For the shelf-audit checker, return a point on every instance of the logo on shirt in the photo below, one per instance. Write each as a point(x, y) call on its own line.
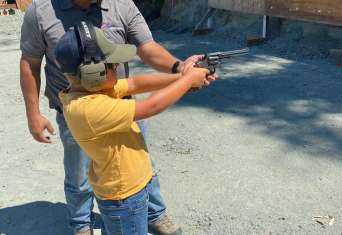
point(105, 26)
point(86, 29)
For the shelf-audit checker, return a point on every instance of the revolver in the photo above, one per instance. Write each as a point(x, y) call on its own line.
point(211, 60)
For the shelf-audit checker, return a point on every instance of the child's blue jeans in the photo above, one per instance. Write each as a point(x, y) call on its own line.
point(125, 217)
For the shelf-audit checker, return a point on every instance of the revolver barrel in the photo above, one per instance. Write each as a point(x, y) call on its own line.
point(211, 60)
point(226, 54)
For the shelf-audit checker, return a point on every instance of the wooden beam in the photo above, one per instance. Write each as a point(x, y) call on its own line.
point(320, 11)
point(327, 11)
point(23, 4)
point(8, 6)
point(248, 6)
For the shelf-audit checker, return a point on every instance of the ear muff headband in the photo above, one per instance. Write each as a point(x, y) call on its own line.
point(92, 71)
point(87, 38)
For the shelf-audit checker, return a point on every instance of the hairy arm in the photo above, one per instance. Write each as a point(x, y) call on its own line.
point(162, 60)
point(156, 56)
point(30, 83)
point(149, 50)
point(30, 87)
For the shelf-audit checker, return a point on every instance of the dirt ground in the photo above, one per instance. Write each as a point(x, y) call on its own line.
point(258, 152)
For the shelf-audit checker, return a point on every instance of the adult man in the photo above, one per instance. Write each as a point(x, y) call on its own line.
point(44, 23)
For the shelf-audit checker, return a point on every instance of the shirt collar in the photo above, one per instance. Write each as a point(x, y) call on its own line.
point(66, 4)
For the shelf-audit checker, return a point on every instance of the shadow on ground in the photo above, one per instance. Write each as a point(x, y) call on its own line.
point(299, 102)
point(7, 42)
point(36, 218)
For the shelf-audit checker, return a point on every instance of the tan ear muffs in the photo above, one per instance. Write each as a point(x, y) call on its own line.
point(93, 76)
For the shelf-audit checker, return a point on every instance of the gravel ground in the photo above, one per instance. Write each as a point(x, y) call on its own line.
point(258, 152)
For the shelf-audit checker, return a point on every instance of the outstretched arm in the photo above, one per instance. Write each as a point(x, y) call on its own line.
point(163, 98)
point(162, 60)
point(150, 82)
point(156, 56)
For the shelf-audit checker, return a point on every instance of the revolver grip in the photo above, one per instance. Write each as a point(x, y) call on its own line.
point(203, 64)
point(211, 69)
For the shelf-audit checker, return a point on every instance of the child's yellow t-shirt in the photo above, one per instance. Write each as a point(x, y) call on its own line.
point(104, 127)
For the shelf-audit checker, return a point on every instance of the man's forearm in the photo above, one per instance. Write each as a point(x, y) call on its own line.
point(30, 85)
point(150, 82)
point(156, 56)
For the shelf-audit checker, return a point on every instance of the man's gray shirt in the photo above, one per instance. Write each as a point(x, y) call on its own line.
point(46, 21)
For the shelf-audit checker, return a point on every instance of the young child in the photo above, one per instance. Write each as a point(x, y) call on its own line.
point(104, 124)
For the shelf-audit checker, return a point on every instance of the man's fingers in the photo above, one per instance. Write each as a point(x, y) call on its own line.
point(212, 77)
point(191, 60)
point(50, 128)
point(45, 139)
point(37, 137)
point(42, 138)
point(188, 66)
point(197, 58)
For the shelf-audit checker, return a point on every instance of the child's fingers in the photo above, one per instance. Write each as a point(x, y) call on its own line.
point(206, 71)
point(206, 82)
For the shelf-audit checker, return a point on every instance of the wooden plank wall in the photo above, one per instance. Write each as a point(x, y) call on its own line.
point(320, 11)
point(7, 6)
point(23, 4)
point(248, 6)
